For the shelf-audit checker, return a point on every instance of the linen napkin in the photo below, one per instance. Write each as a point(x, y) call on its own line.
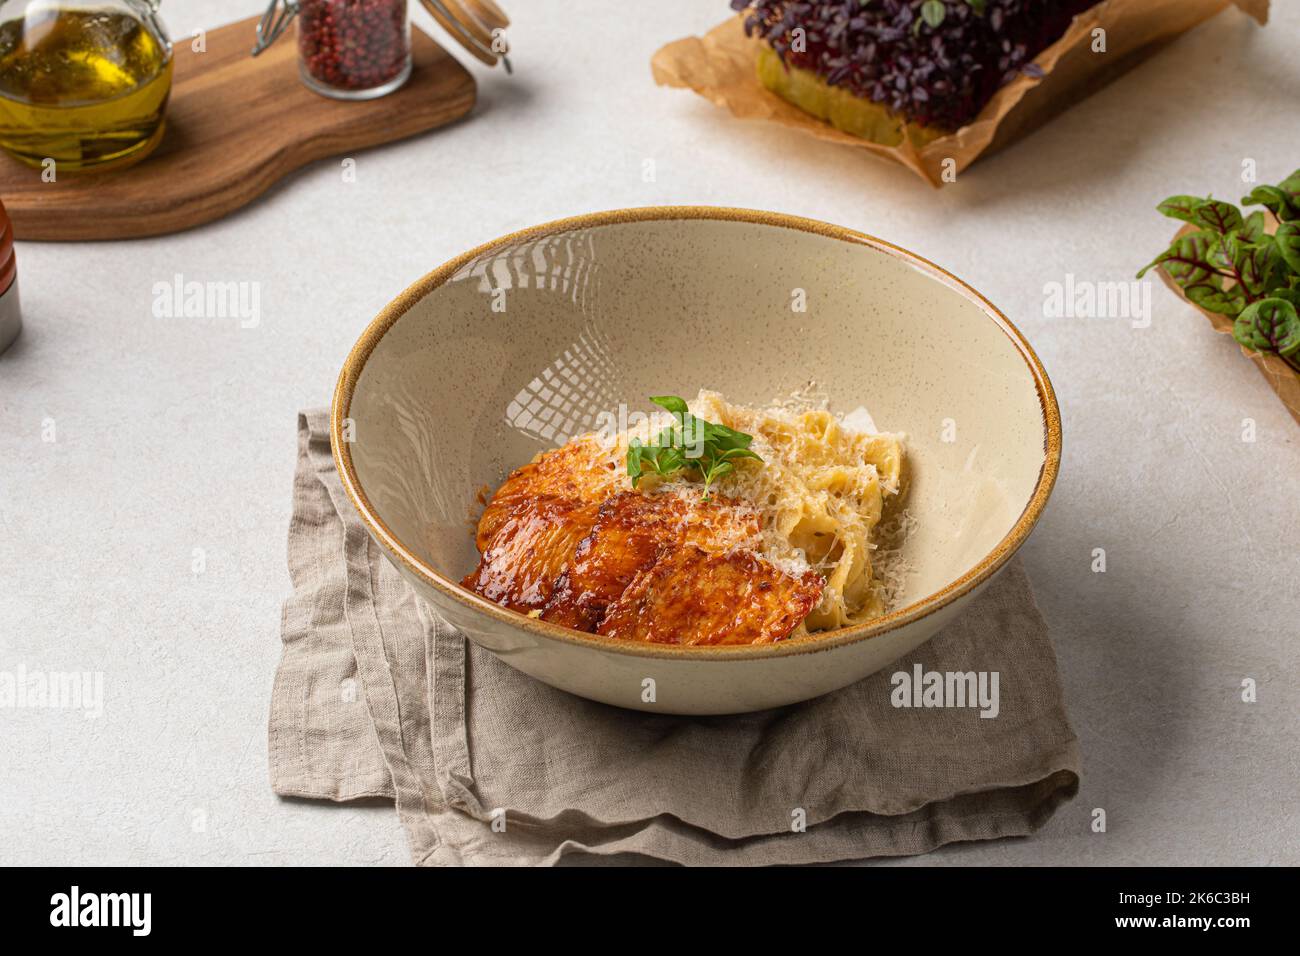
point(376, 697)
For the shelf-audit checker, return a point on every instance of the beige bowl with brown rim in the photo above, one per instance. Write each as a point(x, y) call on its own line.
point(521, 343)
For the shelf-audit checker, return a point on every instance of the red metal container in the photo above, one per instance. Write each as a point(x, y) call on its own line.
point(10, 317)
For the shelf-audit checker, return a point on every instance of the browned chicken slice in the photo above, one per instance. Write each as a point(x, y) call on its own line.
point(689, 596)
point(553, 540)
point(578, 471)
point(529, 549)
point(629, 531)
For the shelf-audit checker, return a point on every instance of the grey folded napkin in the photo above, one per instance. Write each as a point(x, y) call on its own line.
point(375, 696)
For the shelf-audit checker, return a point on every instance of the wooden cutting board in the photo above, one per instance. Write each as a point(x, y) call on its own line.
point(235, 126)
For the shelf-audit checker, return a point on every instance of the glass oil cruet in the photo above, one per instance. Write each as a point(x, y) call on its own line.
point(83, 83)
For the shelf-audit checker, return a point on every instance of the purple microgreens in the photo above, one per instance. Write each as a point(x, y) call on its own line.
point(934, 62)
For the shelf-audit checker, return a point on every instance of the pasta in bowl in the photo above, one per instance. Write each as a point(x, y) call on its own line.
point(845, 545)
point(706, 523)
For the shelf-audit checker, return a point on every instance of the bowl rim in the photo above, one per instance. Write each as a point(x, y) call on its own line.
point(973, 578)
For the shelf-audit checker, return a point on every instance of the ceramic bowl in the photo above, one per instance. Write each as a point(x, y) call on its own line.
point(519, 344)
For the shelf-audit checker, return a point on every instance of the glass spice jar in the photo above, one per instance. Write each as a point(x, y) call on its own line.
point(347, 49)
point(354, 48)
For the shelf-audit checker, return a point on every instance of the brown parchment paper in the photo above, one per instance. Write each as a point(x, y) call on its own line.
point(721, 67)
point(1279, 375)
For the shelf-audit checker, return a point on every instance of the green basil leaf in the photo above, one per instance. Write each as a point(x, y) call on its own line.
point(724, 437)
point(692, 444)
point(669, 460)
point(634, 460)
point(695, 436)
point(672, 403)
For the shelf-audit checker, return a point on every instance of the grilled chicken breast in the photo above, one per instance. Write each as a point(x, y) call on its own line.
point(689, 596)
point(560, 541)
point(530, 529)
point(579, 471)
point(529, 549)
point(629, 531)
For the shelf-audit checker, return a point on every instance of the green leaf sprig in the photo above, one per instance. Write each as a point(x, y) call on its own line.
point(933, 12)
point(1232, 266)
point(688, 443)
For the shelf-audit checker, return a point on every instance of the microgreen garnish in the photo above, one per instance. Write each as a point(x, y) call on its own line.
point(933, 12)
point(688, 443)
point(1232, 266)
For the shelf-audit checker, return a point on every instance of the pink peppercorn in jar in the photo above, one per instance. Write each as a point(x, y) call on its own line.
point(347, 49)
point(354, 49)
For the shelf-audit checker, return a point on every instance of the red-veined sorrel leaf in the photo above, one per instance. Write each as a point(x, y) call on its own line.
point(1187, 260)
point(1269, 325)
point(1222, 217)
point(1287, 238)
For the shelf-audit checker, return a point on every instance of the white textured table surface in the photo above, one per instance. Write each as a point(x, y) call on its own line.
point(172, 435)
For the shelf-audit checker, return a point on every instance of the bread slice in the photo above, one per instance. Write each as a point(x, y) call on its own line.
point(837, 106)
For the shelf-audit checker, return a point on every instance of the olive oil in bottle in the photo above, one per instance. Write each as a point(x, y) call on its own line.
point(83, 87)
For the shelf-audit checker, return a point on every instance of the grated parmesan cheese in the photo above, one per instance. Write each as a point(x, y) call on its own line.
point(820, 491)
